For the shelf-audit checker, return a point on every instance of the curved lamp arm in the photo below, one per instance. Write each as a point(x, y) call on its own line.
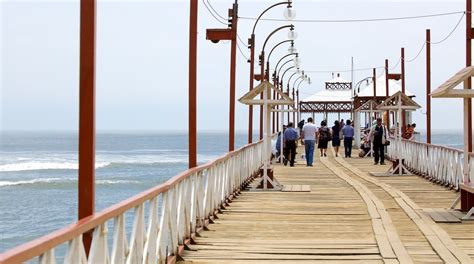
point(281, 68)
point(283, 75)
point(284, 41)
point(264, 11)
point(291, 26)
point(276, 67)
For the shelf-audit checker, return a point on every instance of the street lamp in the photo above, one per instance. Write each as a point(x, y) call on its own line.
point(289, 14)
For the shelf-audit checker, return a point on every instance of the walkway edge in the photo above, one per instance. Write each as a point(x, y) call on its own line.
point(437, 237)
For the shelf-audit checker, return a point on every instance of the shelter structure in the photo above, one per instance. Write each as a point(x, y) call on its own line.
point(377, 92)
point(447, 90)
point(335, 98)
point(253, 97)
point(398, 103)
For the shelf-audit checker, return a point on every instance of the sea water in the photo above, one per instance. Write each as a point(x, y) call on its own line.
point(38, 173)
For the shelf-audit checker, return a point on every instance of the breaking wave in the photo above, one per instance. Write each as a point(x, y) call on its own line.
point(44, 181)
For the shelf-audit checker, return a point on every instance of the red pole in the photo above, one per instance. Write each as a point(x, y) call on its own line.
point(468, 63)
point(387, 91)
point(402, 58)
point(278, 107)
point(233, 52)
point(193, 21)
point(374, 73)
point(262, 79)
point(86, 182)
point(294, 114)
point(273, 113)
point(252, 63)
point(428, 86)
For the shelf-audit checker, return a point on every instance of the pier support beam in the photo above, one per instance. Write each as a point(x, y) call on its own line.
point(86, 182)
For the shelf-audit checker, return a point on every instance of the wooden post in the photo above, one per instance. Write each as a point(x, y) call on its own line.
point(233, 52)
point(193, 23)
point(428, 86)
point(252, 63)
point(402, 58)
point(86, 182)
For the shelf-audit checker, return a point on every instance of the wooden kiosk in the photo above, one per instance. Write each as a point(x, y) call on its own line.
point(266, 89)
point(398, 103)
point(447, 90)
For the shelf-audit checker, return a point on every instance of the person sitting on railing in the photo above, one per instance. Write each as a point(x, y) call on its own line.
point(378, 137)
point(408, 132)
point(290, 136)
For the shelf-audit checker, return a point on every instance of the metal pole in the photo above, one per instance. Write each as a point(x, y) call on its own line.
point(374, 73)
point(402, 58)
point(86, 182)
point(233, 52)
point(193, 23)
point(387, 92)
point(469, 63)
point(428, 86)
point(252, 63)
point(262, 79)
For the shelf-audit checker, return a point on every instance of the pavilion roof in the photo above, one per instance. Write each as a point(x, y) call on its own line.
point(393, 85)
point(330, 96)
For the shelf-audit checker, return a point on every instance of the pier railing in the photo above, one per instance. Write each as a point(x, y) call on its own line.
point(440, 164)
point(174, 212)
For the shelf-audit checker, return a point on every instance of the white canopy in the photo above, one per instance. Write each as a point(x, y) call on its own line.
point(393, 85)
point(338, 79)
point(330, 96)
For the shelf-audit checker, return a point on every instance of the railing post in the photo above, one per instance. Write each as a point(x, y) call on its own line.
point(86, 184)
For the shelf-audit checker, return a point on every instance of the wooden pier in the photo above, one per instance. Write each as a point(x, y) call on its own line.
point(348, 216)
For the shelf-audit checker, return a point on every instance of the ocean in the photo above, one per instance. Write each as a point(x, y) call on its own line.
point(38, 173)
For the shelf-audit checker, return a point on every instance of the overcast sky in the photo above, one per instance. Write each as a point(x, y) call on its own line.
point(142, 58)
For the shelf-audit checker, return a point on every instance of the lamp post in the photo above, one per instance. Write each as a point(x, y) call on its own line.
point(216, 35)
point(289, 14)
point(292, 48)
point(264, 74)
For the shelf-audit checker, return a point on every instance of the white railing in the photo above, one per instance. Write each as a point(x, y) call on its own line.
point(174, 212)
point(441, 164)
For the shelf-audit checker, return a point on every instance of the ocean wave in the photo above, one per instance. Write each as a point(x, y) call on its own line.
point(43, 181)
point(28, 166)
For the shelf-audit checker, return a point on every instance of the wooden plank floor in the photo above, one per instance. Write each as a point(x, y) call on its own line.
point(348, 217)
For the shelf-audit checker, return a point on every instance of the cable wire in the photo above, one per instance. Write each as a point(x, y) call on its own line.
point(418, 54)
point(355, 70)
point(243, 42)
point(359, 20)
point(241, 52)
point(450, 33)
point(217, 13)
point(212, 14)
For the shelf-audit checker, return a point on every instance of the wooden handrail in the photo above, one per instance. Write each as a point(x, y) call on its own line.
point(40, 245)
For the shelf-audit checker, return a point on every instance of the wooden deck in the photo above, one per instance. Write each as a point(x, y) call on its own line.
point(347, 217)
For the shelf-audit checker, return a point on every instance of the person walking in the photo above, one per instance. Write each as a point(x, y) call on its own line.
point(324, 135)
point(348, 133)
point(308, 134)
point(290, 136)
point(378, 136)
point(336, 140)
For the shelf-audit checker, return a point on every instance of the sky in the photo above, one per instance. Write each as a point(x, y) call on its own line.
point(142, 58)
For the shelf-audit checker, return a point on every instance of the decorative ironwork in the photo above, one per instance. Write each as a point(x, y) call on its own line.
point(326, 107)
point(338, 86)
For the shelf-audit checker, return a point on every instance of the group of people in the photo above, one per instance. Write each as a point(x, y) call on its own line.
point(310, 134)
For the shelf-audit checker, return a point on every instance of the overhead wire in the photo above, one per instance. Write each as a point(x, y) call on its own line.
point(357, 20)
point(212, 14)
